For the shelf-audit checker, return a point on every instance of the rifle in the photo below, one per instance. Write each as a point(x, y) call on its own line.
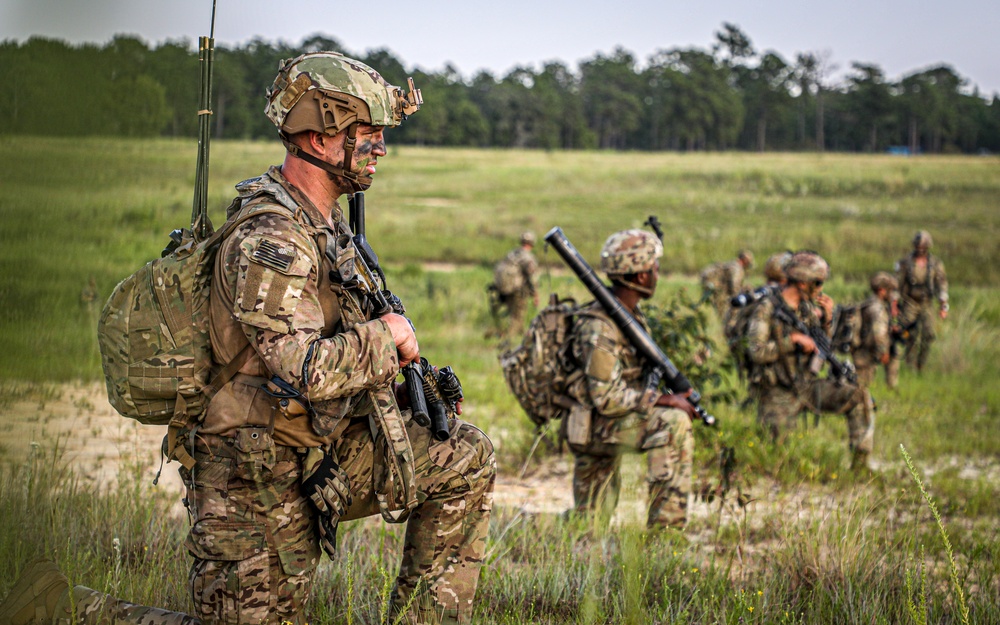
point(900, 335)
point(743, 300)
point(839, 370)
point(661, 369)
point(425, 390)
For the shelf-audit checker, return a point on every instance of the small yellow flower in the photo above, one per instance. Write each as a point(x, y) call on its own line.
point(760, 593)
point(833, 476)
point(750, 444)
point(750, 608)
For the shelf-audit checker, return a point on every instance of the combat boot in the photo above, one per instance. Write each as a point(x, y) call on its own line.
point(859, 462)
point(40, 596)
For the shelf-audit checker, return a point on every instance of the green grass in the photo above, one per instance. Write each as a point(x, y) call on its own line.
point(813, 545)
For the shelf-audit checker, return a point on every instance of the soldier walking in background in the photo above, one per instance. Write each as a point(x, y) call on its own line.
point(515, 280)
point(783, 372)
point(269, 479)
point(615, 413)
point(922, 282)
point(721, 281)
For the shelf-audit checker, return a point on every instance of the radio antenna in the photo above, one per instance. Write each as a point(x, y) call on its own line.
point(200, 225)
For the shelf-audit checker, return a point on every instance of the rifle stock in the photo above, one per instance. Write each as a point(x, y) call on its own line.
point(661, 366)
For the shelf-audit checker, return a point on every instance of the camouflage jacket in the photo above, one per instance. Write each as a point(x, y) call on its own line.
point(919, 285)
point(724, 277)
point(273, 286)
point(774, 357)
point(527, 269)
point(875, 341)
point(613, 371)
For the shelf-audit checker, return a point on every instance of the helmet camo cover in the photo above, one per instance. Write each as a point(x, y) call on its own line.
point(332, 73)
point(630, 251)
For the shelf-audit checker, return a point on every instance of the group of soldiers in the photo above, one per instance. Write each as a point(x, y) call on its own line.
point(781, 359)
point(269, 475)
point(783, 331)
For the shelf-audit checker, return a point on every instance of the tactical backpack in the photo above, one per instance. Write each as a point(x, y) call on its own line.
point(507, 276)
point(847, 328)
point(541, 369)
point(154, 337)
point(735, 329)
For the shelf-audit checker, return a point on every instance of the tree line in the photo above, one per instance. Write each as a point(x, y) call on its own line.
point(730, 96)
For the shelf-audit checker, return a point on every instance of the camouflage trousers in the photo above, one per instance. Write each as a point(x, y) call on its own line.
point(517, 307)
point(778, 408)
point(918, 344)
point(256, 548)
point(665, 437)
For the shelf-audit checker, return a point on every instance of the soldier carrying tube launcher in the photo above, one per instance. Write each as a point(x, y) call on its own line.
point(618, 405)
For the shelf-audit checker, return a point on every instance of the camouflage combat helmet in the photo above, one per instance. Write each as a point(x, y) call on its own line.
point(630, 251)
point(884, 280)
point(528, 238)
point(774, 268)
point(747, 256)
point(807, 267)
point(922, 240)
point(328, 92)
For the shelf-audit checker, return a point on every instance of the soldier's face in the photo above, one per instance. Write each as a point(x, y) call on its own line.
point(652, 280)
point(370, 146)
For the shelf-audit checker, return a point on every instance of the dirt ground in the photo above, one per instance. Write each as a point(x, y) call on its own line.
point(94, 438)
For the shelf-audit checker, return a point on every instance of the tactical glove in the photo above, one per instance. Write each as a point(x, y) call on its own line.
point(329, 488)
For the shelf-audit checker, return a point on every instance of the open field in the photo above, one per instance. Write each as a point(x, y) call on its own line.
point(814, 545)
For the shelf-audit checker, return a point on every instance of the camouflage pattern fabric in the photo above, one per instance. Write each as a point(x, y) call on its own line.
point(624, 420)
point(874, 331)
point(720, 282)
point(919, 287)
point(256, 548)
point(516, 281)
point(783, 382)
point(630, 251)
point(331, 71)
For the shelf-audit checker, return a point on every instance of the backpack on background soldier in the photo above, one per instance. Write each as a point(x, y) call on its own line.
point(541, 369)
point(507, 277)
point(847, 328)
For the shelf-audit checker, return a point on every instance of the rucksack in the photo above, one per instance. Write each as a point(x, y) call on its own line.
point(507, 276)
point(847, 328)
point(541, 369)
point(735, 330)
point(154, 337)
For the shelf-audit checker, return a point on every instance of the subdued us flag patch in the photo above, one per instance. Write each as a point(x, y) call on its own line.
point(275, 255)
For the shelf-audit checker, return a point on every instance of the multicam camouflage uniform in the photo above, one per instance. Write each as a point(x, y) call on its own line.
point(920, 285)
point(721, 281)
point(875, 340)
point(615, 412)
point(623, 419)
point(520, 284)
point(785, 384)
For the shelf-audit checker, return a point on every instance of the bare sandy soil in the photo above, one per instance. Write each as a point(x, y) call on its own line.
point(99, 443)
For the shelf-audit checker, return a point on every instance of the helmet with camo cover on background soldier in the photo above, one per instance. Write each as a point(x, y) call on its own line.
point(630, 251)
point(922, 241)
point(328, 92)
point(806, 267)
point(774, 268)
point(883, 280)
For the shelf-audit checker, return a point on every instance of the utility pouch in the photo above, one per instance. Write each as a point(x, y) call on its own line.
point(255, 454)
point(578, 426)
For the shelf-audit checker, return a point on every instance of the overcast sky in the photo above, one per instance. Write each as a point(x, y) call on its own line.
point(898, 35)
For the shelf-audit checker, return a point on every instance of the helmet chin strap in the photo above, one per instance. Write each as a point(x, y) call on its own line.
point(638, 288)
point(356, 181)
